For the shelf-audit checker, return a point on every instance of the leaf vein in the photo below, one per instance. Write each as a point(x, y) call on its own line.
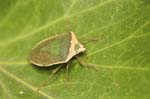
point(10, 41)
point(23, 82)
point(121, 41)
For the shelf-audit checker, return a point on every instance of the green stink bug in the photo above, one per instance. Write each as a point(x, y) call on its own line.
point(56, 50)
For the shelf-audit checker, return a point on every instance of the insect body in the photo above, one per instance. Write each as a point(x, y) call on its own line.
point(56, 50)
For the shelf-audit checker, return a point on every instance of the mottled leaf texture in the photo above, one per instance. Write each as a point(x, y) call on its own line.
point(116, 34)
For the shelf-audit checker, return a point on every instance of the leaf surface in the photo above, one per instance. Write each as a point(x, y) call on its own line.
point(116, 34)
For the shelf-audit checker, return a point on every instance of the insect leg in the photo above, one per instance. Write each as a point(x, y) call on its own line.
point(67, 71)
point(79, 61)
point(84, 64)
point(54, 72)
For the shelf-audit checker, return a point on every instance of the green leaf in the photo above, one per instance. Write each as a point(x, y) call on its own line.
point(116, 34)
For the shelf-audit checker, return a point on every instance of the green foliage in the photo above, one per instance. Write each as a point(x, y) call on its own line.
point(116, 34)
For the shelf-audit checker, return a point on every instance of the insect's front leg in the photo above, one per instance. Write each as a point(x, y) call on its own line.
point(85, 64)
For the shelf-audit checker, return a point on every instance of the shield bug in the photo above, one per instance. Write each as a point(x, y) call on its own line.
point(59, 49)
point(56, 50)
